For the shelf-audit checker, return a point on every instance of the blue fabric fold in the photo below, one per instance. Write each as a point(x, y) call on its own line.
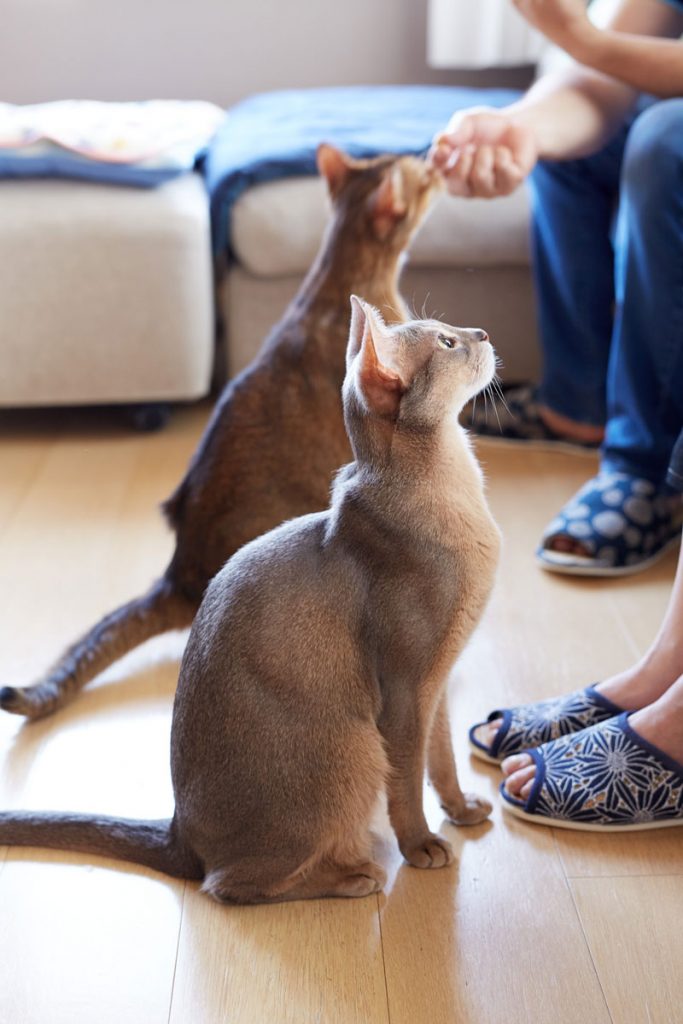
point(275, 135)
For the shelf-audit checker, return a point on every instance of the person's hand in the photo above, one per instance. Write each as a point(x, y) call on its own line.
point(565, 22)
point(484, 153)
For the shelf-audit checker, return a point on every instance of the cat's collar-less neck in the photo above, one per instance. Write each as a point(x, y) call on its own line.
point(366, 267)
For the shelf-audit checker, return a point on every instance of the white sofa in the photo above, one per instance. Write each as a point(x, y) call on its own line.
point(469, 265)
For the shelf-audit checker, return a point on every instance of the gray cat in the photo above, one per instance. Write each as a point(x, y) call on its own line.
point(314, 676)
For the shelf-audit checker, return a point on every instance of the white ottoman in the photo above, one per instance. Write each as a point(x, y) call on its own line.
point(106, 292)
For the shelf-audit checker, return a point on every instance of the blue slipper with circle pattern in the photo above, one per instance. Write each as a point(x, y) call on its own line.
point(624, 523)
point(529, 725)
point(604, 779)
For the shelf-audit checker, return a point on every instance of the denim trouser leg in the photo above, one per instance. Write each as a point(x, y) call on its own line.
point(623, 369)
point(573, 206)
point(645, 376)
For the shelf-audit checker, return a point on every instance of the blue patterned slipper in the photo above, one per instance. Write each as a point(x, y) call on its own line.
point(624, 522)
point(513, 417)
point(529, 725)
point(604, 779)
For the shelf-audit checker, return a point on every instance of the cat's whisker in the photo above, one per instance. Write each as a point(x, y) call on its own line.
point(501, 394)
point(495, 407)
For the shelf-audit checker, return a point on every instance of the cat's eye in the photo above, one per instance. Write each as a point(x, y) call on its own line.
point(445, 341)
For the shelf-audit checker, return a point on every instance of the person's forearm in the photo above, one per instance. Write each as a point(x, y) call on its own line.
point(573, 112)
point(649, 65)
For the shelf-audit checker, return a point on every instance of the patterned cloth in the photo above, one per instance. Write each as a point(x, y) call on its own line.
point(141, 144)
point(604, 775)
point(622, 521)
point(529, 725)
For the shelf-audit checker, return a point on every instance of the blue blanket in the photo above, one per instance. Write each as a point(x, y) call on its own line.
point(275, 135)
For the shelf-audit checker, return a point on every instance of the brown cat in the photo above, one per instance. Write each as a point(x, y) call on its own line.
point(277, 435)
point(314, 676)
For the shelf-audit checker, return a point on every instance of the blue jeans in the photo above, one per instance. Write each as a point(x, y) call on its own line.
point(610, 293)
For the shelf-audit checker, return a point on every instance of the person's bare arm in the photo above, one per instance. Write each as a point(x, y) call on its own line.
point(564, 115)
point(639, 48)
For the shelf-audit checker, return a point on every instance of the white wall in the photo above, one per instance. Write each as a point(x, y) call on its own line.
point(218, 50)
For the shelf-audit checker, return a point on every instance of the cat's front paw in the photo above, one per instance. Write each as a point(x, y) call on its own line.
point(430, 851)
point(471, 810)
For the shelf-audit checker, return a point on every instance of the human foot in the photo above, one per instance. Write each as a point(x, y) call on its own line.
point(513, 414)
point(606, 778)
point(615, 525)
point(660, 724)
point(528, 725)
point(583, 433)
point(634, 688)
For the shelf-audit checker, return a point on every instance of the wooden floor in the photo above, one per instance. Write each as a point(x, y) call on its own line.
point(530, 925)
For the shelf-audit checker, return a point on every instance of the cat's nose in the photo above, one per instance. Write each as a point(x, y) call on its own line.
point(479, 335)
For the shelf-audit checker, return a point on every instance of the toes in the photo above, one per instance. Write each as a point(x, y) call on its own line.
point(515, 762)
point(515, 783)
point(471, 810)
point(525, 791)
point(486, 732)
point(430, 852)
point(567, 545)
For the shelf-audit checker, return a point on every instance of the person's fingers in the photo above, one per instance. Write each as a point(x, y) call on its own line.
point(459, 131)
point(482, 176)
point(458, 169)
point(438, 155)
point(477, 125)
point(507, 175)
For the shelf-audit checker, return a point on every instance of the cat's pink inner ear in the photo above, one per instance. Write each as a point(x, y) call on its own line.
point(334, 165)
point(380, 385)
point(357, 329)
point(388, 202)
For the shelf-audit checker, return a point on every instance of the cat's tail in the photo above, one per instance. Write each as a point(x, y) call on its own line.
point(162, 608)
point(152, 843)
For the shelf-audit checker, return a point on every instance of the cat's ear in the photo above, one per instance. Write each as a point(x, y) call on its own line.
point(380, 385)
point(387, 203)
point(360, 312)
point(334, 165)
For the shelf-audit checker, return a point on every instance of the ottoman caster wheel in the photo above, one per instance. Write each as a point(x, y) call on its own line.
point(149, 416)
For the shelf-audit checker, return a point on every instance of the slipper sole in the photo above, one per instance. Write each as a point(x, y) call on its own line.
point(569, 567)
point(581, 826)
point(481, 755)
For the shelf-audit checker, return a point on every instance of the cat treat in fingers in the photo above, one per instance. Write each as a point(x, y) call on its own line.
point(277, 434)
point(314, 677)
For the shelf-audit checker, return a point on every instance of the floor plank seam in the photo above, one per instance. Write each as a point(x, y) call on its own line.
point(384, 959)
point(177, 953)
point(627, 874)
point(590, 952)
